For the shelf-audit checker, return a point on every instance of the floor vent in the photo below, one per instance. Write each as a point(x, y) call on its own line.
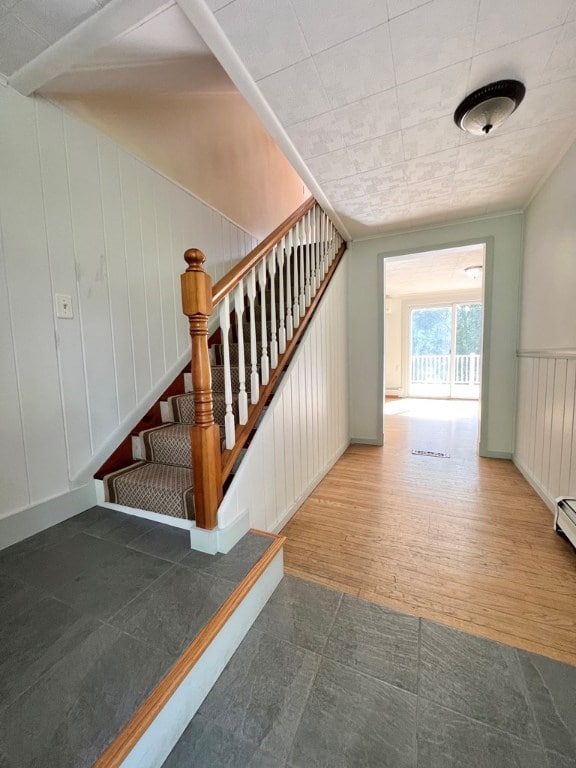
point(436, 454)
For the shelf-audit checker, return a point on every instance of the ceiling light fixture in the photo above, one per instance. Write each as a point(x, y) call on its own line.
point(474, 272)
point(489, 106)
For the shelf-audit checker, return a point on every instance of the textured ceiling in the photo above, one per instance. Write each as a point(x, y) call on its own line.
point(29, 27)
point(366, 91)
point(434, 272)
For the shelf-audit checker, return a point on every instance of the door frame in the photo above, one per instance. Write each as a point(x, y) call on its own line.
point(487, 288)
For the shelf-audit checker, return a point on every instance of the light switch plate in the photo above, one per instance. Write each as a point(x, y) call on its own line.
point(64, 306)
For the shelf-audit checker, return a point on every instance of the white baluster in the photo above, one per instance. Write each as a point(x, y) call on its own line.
point(303, 248)
point(332, 242)
point(254, 380)
point(318, 265)
point(273, 320)
point(282, 328)
point(242, 395)
point(229, 426)
point(315, 273)
point(295, 292)
point(289, 321)
point(264, 363)
point(309, 272)
point(321, 261)
point(321, 243)
point(325, 243)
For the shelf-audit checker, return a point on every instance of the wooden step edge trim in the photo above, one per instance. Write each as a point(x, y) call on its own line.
point(230, 455)
point(231, 280)
point(132, 732)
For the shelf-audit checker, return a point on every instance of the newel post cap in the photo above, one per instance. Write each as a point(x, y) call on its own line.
point(196, 285)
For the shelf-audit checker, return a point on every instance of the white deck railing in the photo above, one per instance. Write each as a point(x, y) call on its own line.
point(435, 369)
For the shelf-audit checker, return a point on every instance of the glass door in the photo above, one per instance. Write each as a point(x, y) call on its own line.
point(467, 350)
point(430, 348)
point(445, 347)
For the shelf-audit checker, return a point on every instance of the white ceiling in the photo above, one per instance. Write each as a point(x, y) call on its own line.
point(365, 90)
point(162, 53)
point(434, 272)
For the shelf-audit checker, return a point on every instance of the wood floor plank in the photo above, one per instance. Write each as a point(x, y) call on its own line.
point(463, 541)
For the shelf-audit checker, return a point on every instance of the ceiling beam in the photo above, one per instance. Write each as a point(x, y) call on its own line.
point(97, 31)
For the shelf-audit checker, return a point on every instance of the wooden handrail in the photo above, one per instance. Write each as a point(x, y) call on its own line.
point(229, 281)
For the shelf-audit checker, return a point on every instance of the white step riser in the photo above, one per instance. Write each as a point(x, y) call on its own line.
point(166, 412)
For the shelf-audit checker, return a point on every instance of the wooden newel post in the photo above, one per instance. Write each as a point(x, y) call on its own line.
point(204, 434)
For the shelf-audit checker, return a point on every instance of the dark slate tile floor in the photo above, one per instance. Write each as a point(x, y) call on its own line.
point(94, 611)
point(325, 680)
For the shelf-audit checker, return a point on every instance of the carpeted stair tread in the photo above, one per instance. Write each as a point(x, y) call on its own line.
point(182, 407)
point(168, 444)
point(218, 378)
point(160, 488)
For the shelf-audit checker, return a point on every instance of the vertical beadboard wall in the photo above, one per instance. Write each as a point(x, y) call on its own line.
point(305, 428)
point(545, 431)
point(80, 216)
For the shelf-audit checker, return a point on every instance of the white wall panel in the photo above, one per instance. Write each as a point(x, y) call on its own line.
point(115, 244)
point(15, 491)
point(305, 427)
point(27, 268)
point(149, 265)
point(92, 276)
point(60, 240)
point(80, 216)
point(545, 450)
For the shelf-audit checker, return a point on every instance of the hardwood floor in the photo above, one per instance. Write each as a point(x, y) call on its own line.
point(462, 541)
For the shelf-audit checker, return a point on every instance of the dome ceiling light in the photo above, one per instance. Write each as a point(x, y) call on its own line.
point(473, 272)
point(489, 106)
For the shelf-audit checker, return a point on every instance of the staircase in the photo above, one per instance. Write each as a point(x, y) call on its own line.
point(263, 307)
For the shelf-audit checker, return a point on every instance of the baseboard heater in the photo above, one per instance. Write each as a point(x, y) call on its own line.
point(565, 518)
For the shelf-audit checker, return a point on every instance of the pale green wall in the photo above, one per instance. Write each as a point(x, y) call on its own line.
point(549, 280)
point(503, 238)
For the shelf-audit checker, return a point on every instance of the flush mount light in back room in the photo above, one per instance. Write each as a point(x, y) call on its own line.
point(487, 108)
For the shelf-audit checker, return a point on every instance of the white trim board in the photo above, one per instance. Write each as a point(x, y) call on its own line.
point(19, 525)
point(93, 33)
point(548, 354)
point(160, 738)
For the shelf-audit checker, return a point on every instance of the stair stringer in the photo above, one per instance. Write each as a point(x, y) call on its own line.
point(305, 428)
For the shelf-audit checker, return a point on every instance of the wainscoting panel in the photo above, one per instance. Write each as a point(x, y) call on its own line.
point(545, 436)
point(305, 428)
point(81, 216)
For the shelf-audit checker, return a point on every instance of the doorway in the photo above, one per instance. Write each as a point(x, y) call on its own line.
point(433, 328)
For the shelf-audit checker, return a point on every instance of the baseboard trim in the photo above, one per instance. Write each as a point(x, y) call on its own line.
point(16, 526)
point(367, 441)
point(544, 494)
point(148, 738)
point(220, 539)
point(496, 454)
